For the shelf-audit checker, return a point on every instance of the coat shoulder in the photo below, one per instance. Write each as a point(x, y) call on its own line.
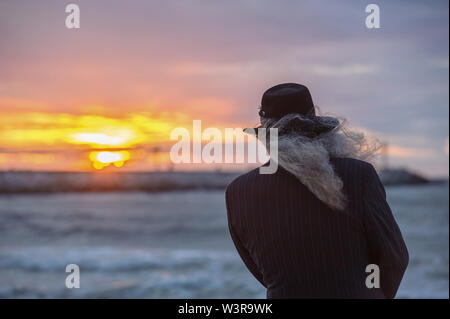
point(242, 180)
point(351, 162)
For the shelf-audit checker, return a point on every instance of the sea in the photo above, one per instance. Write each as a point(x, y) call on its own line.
point(175, 244)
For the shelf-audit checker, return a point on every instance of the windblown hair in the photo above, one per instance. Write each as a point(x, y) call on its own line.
point(308, 158)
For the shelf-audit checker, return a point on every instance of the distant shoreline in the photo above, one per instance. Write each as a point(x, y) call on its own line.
point(13, 182)
point(56, 182)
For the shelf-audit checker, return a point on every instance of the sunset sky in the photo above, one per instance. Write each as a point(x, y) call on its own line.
point(110, 93)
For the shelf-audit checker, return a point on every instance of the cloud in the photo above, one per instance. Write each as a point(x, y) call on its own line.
point(407, 152)
point(344, 70)
point(446, 146)
point(439, 63)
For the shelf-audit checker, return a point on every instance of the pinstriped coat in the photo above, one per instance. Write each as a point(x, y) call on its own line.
point(297, 247)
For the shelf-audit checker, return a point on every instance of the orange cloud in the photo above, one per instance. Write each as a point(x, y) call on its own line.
point(35, 130)
point(405, 152)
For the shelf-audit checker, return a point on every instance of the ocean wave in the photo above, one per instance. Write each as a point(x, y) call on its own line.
point(106, 259)
point(39, 272)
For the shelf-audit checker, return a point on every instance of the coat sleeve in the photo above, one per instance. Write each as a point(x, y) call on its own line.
point(243, 252)
point(386, 246)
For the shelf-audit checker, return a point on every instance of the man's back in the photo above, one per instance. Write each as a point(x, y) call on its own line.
point(298, 247)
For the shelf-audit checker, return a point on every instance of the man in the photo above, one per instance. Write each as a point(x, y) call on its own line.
point(310, 229)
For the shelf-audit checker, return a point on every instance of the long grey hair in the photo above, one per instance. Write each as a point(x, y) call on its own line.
point(308, 158)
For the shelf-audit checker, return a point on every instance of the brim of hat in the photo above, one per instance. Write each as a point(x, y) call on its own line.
point(322, 124)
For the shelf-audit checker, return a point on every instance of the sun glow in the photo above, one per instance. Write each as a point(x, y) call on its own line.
point(102, 139)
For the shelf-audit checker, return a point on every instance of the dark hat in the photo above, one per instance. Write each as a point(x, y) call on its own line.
point(293, 98)
point(286, 98)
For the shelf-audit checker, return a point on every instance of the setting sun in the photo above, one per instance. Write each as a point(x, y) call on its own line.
point(105, 158)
